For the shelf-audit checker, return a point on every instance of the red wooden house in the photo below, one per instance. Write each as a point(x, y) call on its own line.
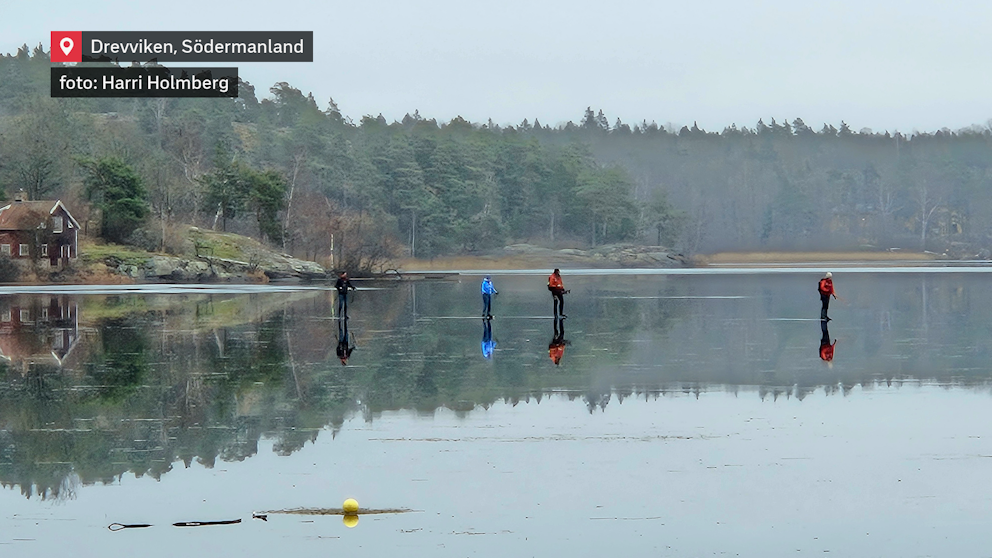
point(38, 231)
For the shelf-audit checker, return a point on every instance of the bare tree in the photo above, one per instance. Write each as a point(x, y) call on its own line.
point(36, 149)
point(299, 157)
point(927, 204)
point(886, 207)
point(158, 105)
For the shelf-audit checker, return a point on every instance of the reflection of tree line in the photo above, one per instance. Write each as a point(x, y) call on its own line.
point(146, 393)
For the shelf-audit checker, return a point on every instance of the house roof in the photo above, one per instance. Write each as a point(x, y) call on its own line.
point(28, 215)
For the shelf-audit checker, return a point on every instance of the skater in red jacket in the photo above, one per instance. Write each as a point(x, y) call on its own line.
point(826, 288)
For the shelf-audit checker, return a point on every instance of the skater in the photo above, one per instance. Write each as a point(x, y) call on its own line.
point(556, 349)
point(488, 344)
point(557, 291)
point(345, 346)
point(488, 290)
point(342, 285)
point(826, 349)
point(826, 288)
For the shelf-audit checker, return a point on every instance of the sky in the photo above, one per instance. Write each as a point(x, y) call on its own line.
point(885, 65)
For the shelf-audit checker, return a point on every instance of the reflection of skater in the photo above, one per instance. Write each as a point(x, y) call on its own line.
point(488, 344)
point(826, 288)
point(826, 349)
point(488, 290)
point(345, 345)
point(556, 349)
point(342, 285)
point(557, 291)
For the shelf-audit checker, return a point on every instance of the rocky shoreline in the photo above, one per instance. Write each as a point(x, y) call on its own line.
point(216, 257)
point(207, 269)
point(272, 266)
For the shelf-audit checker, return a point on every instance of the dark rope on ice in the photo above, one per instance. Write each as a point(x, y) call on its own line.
point(120, 526)
point(202, 523)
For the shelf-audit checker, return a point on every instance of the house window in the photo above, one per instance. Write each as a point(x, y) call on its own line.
point(5, 249)
point(44, 313)
point(6, 315)
point(25, 315)
point(44, 249)
point(23, 250)
point(56, 224)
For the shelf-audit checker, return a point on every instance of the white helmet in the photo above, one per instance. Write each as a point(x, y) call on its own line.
point(829, 275)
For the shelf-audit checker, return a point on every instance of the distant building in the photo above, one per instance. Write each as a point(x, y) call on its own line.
point(38, 231)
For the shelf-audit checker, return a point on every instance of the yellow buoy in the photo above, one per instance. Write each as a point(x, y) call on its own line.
point(350, 521)
point(350, 506)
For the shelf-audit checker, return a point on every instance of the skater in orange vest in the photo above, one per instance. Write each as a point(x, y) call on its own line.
point(557, 291)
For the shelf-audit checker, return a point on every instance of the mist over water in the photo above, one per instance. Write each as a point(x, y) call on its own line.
point(689, 414)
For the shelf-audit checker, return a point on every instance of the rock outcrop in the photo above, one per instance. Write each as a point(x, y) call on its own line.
point(272, 266)
point(612, 255)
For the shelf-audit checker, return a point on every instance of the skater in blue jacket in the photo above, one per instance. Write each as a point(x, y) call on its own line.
point(488, 290)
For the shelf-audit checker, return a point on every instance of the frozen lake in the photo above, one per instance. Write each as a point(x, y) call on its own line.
point(690, 414)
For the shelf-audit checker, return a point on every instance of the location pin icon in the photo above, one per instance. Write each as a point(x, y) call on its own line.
point(66, 44)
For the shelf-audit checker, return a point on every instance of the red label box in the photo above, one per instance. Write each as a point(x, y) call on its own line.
point(67, 46)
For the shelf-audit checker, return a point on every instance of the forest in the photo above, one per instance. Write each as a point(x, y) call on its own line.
point(296, 172)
